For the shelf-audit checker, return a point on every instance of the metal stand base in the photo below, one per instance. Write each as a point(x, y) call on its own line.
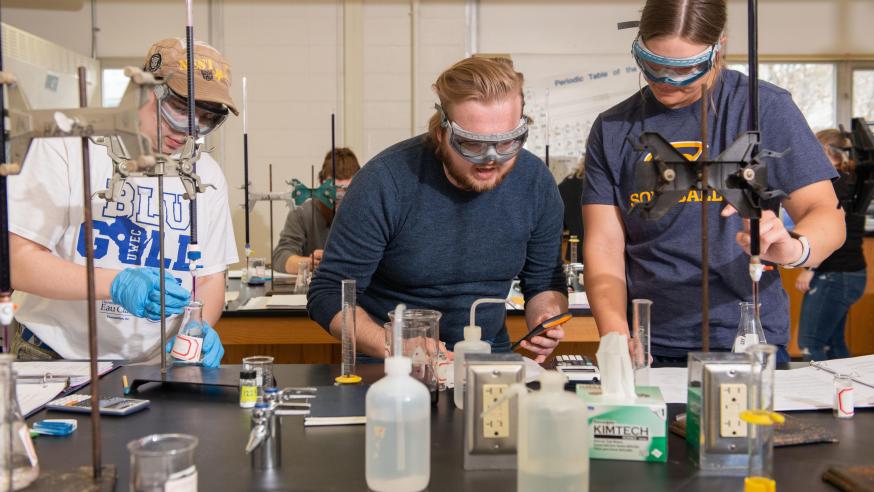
point(220, 376)
point(77, 479)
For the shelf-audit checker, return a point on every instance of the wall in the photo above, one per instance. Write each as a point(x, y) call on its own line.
point(305, 59)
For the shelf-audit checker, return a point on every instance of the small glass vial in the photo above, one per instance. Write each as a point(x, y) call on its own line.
point(844, 404)
point(248, 389)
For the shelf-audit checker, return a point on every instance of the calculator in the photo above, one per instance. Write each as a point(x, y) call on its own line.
point(577, 368)
point(114, 405)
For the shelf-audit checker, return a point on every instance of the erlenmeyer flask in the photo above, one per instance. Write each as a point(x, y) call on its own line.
point(19, 458)
point(188, 347)
point(749, 330)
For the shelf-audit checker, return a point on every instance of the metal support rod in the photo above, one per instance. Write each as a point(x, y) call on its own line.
point(192, 132)
point(314, 207)
point(5, 274)
point(270, 190)
point(753, 126)
point(162, 267)
point(162, 287)
point(5, 252)
point(546, 157)
point(92, 297)
point(705, 230)
point(334, 163)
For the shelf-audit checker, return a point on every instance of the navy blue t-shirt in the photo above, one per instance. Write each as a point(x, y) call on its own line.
point(663, 257)
point(407, 235)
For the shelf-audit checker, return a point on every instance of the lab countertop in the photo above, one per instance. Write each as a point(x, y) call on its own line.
point(233, 308)
point(332, 458)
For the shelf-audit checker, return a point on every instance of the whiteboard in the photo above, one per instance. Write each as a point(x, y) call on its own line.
point(565, 93)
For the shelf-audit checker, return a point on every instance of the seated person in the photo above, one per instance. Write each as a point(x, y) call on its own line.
point(306, 228)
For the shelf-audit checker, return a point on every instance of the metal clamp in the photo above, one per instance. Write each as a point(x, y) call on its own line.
point(265, 438)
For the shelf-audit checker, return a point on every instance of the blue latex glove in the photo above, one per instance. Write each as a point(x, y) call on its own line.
point(138, 291)
point(212, 350)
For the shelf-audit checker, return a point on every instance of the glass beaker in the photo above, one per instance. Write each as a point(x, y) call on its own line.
point(844, 404)
point(263, 367)
point(188, 346)
point(427, 320)
point(19, 457)
point(749, 330)
point(640, 357)
point(160, 462)
point(302, 281)
point(256, 271)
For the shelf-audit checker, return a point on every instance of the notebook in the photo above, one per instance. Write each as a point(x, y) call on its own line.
point(338, 405)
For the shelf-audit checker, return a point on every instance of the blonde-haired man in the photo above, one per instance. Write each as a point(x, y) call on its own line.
point(442, 219)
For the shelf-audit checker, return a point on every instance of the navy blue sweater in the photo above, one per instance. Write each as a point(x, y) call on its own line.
point(407, 235)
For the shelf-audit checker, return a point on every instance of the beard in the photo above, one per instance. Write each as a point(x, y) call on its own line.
point(452, 165)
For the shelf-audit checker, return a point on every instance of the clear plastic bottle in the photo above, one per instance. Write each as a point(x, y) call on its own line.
point(21, 455)
point(398, 430)
point(472, 344)
point(749, 330)
point(553, 451)
point(188, 346)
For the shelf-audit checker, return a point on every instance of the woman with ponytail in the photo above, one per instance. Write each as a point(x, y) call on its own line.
point(680, 50)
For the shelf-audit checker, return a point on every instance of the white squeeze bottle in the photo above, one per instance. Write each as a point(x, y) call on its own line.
point(398, 440)
point(472, 344)
point(553, 452)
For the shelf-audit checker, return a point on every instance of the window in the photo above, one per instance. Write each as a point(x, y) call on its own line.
point(863, 93)
point(114, 82)
point(813, 87)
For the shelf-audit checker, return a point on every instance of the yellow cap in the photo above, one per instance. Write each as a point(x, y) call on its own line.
point(348, 379)
point(762, 417)
point(759, 484)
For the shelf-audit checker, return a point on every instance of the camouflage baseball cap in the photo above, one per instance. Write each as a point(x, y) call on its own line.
point(212, 74)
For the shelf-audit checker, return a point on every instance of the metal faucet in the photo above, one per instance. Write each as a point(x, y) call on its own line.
point(265, 439)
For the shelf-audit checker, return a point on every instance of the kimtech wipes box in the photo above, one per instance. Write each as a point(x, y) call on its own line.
point(625, 429)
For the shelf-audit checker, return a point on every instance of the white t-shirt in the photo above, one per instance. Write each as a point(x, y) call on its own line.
point(45, 206)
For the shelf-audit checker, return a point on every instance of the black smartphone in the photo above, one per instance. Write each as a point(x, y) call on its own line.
point(550, 323)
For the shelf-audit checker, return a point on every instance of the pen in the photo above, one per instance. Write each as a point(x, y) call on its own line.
point(125, 385)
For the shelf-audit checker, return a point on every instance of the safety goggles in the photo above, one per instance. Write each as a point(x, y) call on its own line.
point(678, 72)
point(477, 148)
point(174, 110)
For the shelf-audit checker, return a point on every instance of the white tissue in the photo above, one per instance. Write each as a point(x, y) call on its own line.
point(614, 363)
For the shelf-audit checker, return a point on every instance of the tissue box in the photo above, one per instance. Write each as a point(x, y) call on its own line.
point(634, 430)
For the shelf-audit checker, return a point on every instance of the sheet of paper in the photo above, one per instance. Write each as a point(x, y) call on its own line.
point(32, 397)
point(811, 389)
point(230, 296)
point(806, 388)
point(578, 300)
point(256, 303)
point(79, 372)
point(232, 273)
point(672, 382)
point(287, 301)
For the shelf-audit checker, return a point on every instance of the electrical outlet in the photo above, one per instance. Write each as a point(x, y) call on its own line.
point(732, 401)
point(496, 423)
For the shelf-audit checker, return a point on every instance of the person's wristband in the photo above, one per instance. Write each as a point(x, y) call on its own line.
point(805, 254)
